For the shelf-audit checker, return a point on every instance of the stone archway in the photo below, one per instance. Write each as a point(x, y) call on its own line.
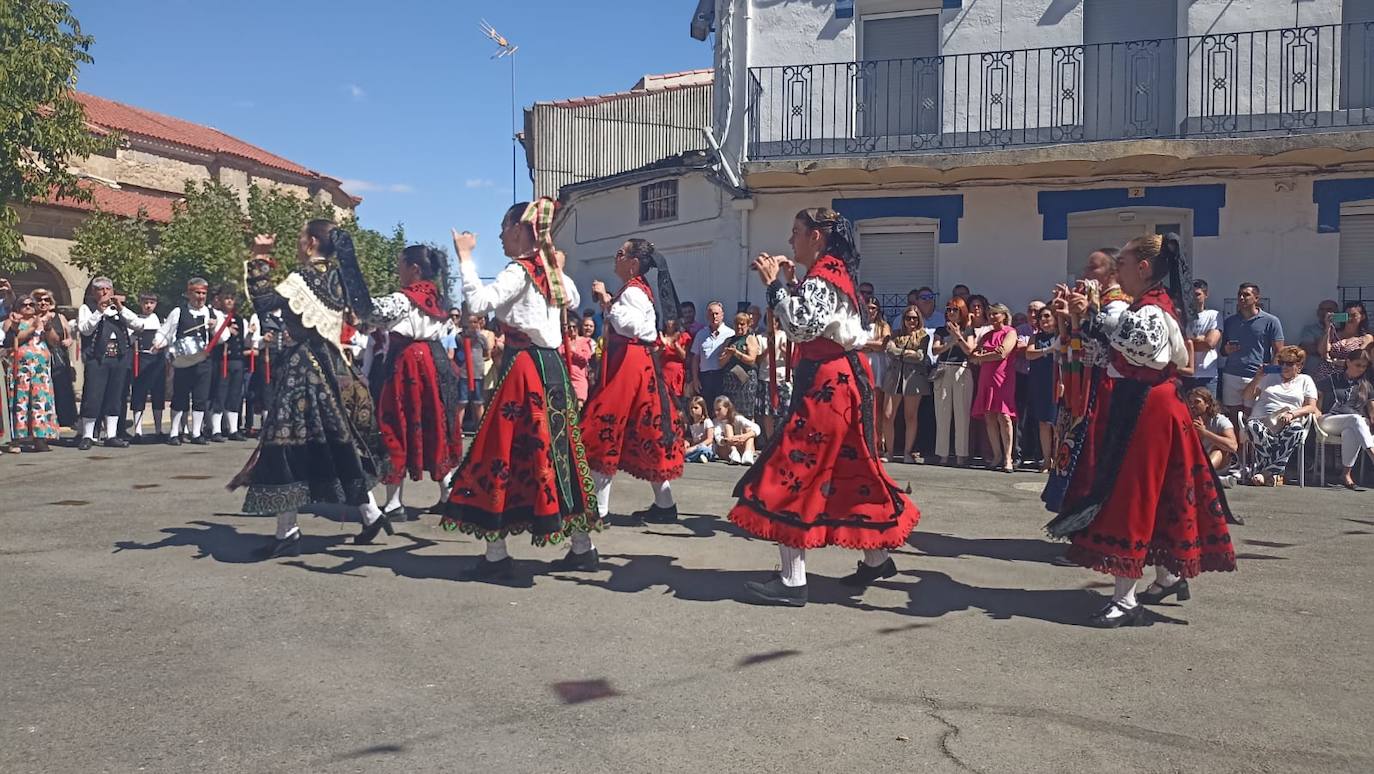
point(42, 275)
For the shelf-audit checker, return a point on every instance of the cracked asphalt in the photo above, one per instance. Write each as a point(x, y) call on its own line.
point(137, 635)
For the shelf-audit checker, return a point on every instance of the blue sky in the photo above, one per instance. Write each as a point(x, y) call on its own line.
point(400, 95)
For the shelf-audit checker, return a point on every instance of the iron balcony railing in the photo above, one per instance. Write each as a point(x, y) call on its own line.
point(1282, 81)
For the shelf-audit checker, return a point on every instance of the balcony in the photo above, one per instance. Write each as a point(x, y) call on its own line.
point(1279, 82)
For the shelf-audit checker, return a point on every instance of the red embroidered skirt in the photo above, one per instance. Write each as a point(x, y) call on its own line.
point(631, 423)
point(418, 434)
point(526, 470)
point(1165, 506)
point(819, 482)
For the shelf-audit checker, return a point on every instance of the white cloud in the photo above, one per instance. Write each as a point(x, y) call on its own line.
point(478, 182)
point(364, 186)
point(357, 92)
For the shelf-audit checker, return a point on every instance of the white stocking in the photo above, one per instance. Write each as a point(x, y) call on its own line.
point(111, 428)
point(369, 510)
point(1124, 593)
point(793, 566)
point(496, 550)
point(137, 428)
point(232, 418)
point(197, 423)
point(663, 493)
point(216, 422)
point(88, 428)
point(286, 525)
point(393, 496)
point(1163, 578)
point(602, 483)
point(581, 542)
point(178, 422)
point(874, 557)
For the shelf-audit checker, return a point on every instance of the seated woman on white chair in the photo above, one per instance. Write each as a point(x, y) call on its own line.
point(1352, 407)
point(1217, 433)
point(1279, 420)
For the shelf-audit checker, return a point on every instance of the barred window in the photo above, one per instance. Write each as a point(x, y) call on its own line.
point(658, 202)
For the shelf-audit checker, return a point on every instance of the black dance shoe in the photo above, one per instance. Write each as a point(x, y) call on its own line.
point(1179, 589)
point(656, 515)
point(199, 441)
point(217, 438)
point(491, 571)
point(116, 443)
point(369, 531)
point(235, 437)
point(865, 575)
point(173, 440)
point(281, 547)
point(775, 592)
point(84, 444)
point(1130, 616)
point(587, 561)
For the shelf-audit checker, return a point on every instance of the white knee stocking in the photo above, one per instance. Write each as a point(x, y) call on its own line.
point(216, 423)
point(793, 570)
point(232, 418)
point(111, 427)
point(496, 550)
point(286, 525)
point(663, 493)
point(88, 428)
point(873, 557)
point(137, 428)
point(602, 484)
point(197, 423)
point(178, 422)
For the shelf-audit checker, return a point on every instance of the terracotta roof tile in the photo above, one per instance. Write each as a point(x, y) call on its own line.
point(124, 202)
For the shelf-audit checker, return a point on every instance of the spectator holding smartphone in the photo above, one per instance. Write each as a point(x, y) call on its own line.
point(1252, 337)
point(1343, 333)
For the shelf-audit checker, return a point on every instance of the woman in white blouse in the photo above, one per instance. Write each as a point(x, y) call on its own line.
point(1284, 405)
point(1149, 494)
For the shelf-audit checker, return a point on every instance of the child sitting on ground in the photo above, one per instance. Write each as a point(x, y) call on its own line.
point(701, 433)
point(735, 434)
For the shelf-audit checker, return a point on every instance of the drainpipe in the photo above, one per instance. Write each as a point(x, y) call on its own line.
point(743, 207)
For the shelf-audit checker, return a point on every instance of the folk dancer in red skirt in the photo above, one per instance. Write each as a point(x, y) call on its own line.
point(417, 411)
point(525, 471)
point(315, 444)
point(630, 422)
point(819, 481)
point(1083, 369)
point(1148, 495)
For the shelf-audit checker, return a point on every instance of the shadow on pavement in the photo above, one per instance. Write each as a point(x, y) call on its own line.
point(223, 543)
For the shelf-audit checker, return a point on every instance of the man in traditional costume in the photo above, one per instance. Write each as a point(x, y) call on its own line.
point(312, 447)
point(526, 470)
point(630, 422)
point(191, 331)
point(104, 324)
point(149, 383)
point(228, 368)
point(819, 482)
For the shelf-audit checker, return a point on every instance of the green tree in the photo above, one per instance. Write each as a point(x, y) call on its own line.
point(118, 248)
point(207, 237)
point(272, 211)
point(377, 254)
point(42, 128)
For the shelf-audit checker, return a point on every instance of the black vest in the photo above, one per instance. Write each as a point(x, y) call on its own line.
point(185, 320)
point(109, 329)
point(233, 341)
point(146, 339)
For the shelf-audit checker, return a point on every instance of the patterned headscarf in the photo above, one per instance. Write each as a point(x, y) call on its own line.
point(539, 216)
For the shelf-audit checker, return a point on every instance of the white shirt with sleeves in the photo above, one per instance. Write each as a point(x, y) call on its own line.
point(515, 301)
point(632, 315)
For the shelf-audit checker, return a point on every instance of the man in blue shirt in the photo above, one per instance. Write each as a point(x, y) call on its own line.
point(1250, 338)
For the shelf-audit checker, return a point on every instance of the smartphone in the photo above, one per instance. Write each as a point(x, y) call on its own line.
point(1340, 318)
point(1273, 369)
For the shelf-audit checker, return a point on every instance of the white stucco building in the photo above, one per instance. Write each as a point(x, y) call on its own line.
point(996, 144)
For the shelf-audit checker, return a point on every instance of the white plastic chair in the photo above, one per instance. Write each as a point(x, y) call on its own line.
point(1326, 439)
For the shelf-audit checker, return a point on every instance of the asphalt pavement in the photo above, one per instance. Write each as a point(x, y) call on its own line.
point(137, 634)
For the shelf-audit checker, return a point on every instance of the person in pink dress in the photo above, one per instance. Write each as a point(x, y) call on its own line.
point(579, 350)
point(995, 397)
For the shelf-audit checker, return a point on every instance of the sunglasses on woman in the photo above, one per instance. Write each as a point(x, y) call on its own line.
point(912, 318)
